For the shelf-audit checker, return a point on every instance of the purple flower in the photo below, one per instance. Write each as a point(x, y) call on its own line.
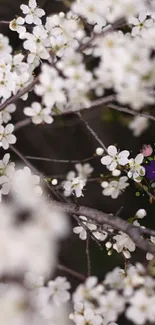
point(150, 170)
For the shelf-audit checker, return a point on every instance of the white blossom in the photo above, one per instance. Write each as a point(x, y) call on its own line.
point(140, 23)
point(32, 12)
point(141, 308)
point(112, 305)
point(115, 188)
point(115, 158)
point(136, 169)
point(124, 244)
point(38, 113)
point(5, 114)
point(88, 292)
point(51, 86)
point(75, 185)
point(94, 12)
point(86, 316)
point(84, 171)
point(17, 25)
point(58, 290)
point(82, 232)
point(114, 279)
point(138, 125)
point(6, 136)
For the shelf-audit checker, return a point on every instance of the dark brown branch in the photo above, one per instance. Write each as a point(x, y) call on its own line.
point(115, 222)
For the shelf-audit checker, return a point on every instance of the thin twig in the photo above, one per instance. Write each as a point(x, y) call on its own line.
point(88, 255)
point(93, 104)
point(65, 161)
point(92, 132)
point(22, 123)
point(131, 112)
point(75, 274)
point(4, 22)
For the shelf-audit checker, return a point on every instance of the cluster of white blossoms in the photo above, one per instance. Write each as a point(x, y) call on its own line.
point(76, 181)
point(130, 292)
point(63, 42)
point(34, 302)
point(117, 162)
point(86, 227)
point(120, 242)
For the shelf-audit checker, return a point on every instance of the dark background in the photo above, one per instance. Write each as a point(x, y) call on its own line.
point(67, 138)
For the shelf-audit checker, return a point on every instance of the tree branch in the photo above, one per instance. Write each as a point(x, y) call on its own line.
point(131, 112)
point(93, 133)
point(63, 161)
point(75, 274)
point(115, 222)
point(21, 93)
point(98, 216)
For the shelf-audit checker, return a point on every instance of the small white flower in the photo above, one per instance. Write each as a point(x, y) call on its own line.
point(88, 292)
point(114, 279)
point(5, 115)
point(141, 23)
point(58, 290)
point(115, 188)
point(17, 25)
point(7, 168)
point(84, 171)
point(6, 136)
point(115, 158)
point(80, 230)
point(38, 113)
point(141, 309)
point(74, 185)
point(136, 170)
point(51, 86)
point(32, 12)
point(138, 125)
point(124, 244)
point(112, 305)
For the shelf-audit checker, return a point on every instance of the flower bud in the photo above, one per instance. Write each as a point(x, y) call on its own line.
point(141, 213)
